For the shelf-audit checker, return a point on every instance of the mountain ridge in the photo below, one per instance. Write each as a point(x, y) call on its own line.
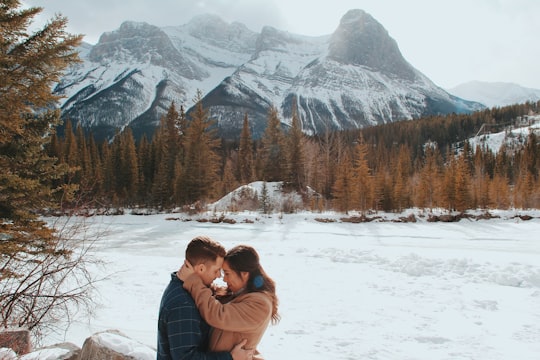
point(493, 94)
point(352, 78)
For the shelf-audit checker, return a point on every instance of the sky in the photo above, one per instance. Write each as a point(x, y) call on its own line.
point(450, 41)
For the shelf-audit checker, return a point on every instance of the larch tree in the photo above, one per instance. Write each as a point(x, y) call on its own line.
point(462, 183)
point(363, 190)
point(35, 260)
point(401, 174)
point(428, 177)
point(344, 187)
point(480, 180)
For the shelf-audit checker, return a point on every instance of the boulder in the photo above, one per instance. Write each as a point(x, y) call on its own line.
point(113, 345)
point(17, 340)
point(63, 351)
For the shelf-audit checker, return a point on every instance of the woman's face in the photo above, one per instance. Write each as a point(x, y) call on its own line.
point(235, 282)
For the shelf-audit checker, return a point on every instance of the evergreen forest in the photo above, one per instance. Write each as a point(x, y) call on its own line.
point(425, 163)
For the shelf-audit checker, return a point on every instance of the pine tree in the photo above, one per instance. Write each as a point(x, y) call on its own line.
point(129, 179)
point(294, 151)
point(29, 65)
point(96, 172)
point(201, 168)
point(168, 144)
point(272, 152)
point(245, 154)
point(264, 199)
point(146, 169)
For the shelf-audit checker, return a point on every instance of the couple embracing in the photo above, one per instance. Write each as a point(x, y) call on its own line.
point(198, 322)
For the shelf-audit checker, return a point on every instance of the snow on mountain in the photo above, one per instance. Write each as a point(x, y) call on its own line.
point(134, 73)
point(352, 78)
point(494, 94)
point(513, 137)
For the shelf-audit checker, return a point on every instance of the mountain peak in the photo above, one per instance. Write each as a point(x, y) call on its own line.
point(362, 40)
point(352, 78)
point(131, 39)
point(494, 94)
point(214, 30)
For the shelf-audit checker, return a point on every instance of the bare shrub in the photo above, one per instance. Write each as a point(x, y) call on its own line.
point(49, 286)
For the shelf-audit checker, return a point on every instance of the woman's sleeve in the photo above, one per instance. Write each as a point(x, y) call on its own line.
point(245, 315)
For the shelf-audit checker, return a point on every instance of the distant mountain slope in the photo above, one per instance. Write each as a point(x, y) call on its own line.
point(493, 94)
point(352, 78)
point(513, 137)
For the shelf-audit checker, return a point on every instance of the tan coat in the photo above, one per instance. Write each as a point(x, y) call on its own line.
point(245, 317)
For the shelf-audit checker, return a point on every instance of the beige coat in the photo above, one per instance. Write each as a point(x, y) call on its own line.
point(245, 317)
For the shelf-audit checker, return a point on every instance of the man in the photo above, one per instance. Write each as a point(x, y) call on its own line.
point(182, 333)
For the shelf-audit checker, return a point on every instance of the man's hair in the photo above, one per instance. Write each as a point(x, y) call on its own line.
point(202, 250)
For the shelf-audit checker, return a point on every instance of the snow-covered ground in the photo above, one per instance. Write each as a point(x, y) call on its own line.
point(378, 290)
point(512, 137)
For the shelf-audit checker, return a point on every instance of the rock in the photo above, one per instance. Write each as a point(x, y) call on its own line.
point(63, 351)
point(113, 345)
point(17, 340)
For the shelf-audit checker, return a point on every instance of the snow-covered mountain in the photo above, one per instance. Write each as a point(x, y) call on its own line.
point(352, 78)
point(494, 94)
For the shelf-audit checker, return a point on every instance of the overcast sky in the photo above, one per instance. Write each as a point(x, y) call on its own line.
point(450, 41)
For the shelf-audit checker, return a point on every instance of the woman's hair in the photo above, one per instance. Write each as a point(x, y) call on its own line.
point(243, 258)
point(202, 250)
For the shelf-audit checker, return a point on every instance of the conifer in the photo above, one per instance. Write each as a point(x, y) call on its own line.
point(272, 152)
point(344, 187)
point(201, 165)
point(245, 154)
point(363, 190)
point(29, 65)
point(294, 151)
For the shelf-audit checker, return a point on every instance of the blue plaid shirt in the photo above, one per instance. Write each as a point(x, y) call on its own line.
point(182, 333)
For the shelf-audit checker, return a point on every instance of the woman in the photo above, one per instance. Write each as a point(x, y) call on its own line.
point(249, 307)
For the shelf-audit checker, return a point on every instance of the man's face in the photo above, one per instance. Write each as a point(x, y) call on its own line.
point(211, 271)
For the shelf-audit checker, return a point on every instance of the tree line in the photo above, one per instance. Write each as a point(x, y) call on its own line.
point(425, 163)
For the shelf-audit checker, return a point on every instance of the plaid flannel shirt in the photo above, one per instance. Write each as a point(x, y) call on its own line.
point(182, 333)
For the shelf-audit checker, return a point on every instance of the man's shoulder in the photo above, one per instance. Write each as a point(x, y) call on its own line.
point(176, 295)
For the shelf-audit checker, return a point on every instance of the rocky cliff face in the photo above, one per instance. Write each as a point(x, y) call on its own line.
point(352, 78)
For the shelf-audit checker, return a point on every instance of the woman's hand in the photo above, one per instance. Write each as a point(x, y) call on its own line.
point(185, 271)
point(219, 290)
